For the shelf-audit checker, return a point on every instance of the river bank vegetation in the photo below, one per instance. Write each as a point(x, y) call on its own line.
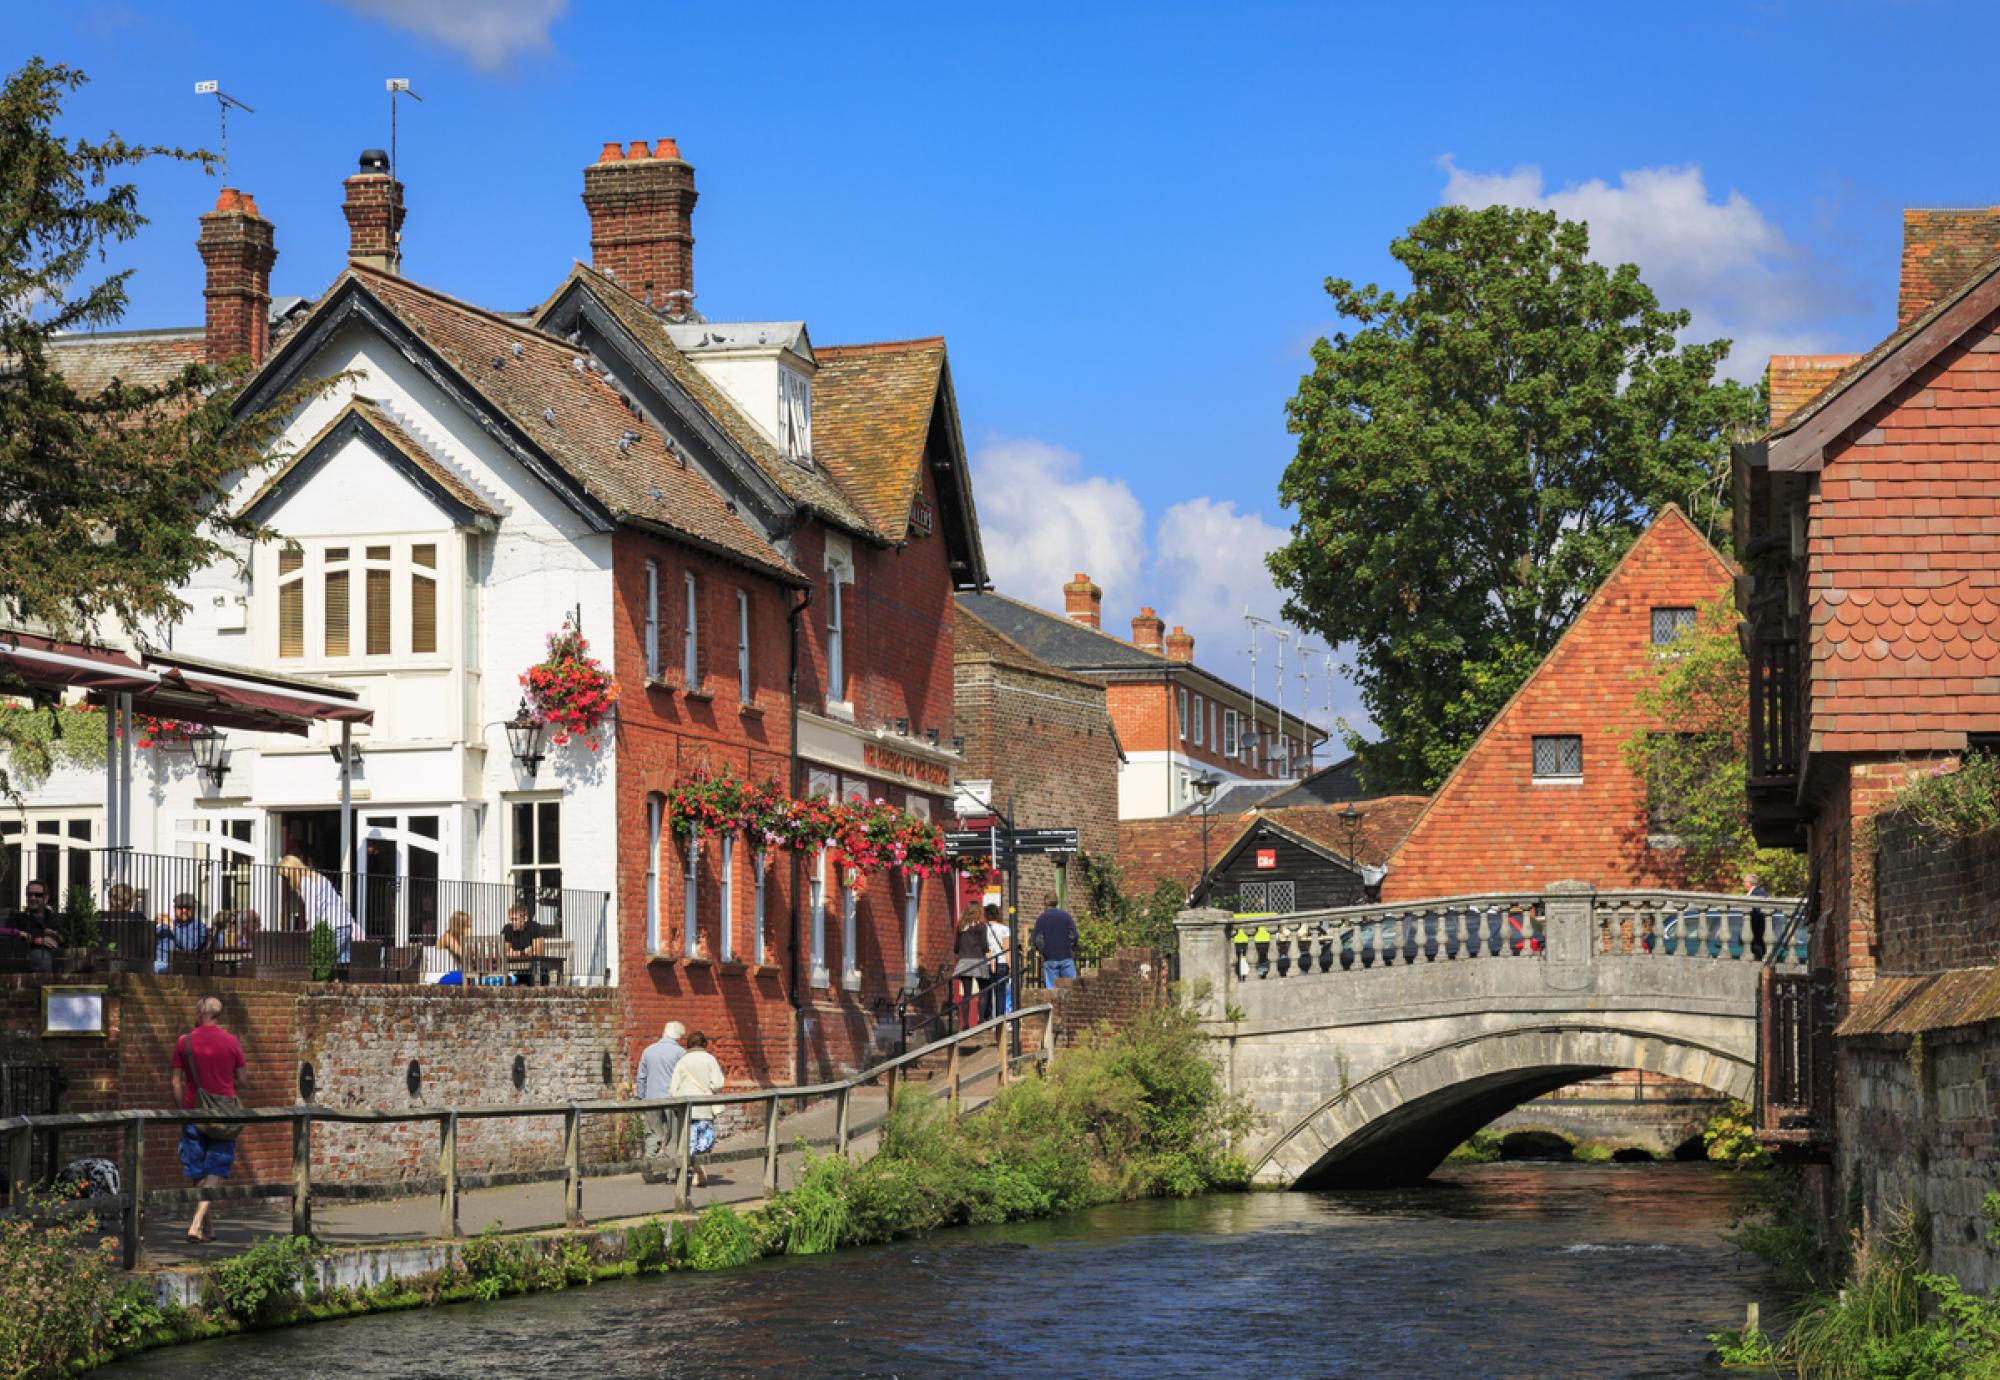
point(1138, 1113)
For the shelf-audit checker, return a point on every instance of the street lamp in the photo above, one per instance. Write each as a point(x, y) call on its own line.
point(1204, 786)
point(524, 736)
point(210, 754)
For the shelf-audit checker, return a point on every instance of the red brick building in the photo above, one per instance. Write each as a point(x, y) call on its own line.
point(1544, 794)
point(1870, 513)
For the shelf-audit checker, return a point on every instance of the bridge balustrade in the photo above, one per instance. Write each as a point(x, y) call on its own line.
point(1625, 924)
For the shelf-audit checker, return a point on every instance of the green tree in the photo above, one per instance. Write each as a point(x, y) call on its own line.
point(1474, 455)
point(1695, 763)
point(109, 501)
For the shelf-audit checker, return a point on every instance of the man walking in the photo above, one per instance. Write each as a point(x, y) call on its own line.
point(656, 1076)
point(1055, 941)
point(206, 1060)
point(38, 922)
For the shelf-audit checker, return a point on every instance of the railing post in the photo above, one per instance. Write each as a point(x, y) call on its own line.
point(840, 1123)
point(1569, 915)
point(684, 1192)
point(771, 1146)
point(1000, 1048)
point(890, 1082)
point(951, 1076)
point(22, 1159)
point(448, 1173)
point(135, 1189)
point(1206, 972)
point(573, 1166)
point(1046, 1055)
point(302, 1175)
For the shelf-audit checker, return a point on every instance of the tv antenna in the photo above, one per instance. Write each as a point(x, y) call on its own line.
point(1281, 635)
point(1306, 653)
point(398, 86)
point(223, 100)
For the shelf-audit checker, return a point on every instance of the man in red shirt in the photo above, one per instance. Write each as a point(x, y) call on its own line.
point(205, 1060)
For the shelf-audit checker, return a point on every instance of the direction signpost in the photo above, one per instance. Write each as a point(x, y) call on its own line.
point(1003, 847)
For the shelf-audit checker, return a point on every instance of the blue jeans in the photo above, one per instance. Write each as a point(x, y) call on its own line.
point(1053, 968)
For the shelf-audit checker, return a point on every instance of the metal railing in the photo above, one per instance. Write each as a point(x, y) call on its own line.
point(1777, 696)
point(1795, 1020)
point(1641, 924)
point(19, 1134)
point(418, 927)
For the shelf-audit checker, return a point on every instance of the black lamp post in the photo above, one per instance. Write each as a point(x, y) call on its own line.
point(524, 737)
point(1204, 786)
point(211, 754)
point(1350, 819)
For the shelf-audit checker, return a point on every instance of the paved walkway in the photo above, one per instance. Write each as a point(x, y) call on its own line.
point(525, 1207)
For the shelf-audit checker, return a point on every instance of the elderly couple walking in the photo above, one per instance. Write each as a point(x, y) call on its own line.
point(679, 1065)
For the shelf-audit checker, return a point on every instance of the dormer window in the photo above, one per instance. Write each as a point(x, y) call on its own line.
point(795, 416)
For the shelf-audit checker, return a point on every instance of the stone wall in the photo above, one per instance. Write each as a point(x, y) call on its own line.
point(1123, 985)
point(360, 1042)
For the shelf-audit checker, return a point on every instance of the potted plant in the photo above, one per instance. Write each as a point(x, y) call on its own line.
point(569, 689)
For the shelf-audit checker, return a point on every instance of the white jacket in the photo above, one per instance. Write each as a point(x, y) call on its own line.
point(697, 1073)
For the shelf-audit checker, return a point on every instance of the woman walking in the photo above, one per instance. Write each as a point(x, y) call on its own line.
point(697, 1074)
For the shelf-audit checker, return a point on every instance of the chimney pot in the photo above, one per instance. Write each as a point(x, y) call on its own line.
point(614, 152)
point(1180, 644)
point(374, 211)
point(237, 247)
point(1146, 630)
point(1083, 601)
point(375, 161)
point(642, 223)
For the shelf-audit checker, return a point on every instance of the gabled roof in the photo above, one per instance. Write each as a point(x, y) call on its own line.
point(141, 359)
point(878, 410)
point(1385, 822)
point(979, 640)
point(1058, 640)
point(1448, 790)
point(705, 337)
point(540, 400)
point(651, 337)
point(1799, 442)
point(365, 420)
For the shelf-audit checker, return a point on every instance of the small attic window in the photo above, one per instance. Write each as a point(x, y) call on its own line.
point(795, 429)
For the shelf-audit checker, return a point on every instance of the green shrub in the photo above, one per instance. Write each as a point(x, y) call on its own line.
point(261, 1285)
point(56, 1287)
point(721, 1240)
point(816, 1208)
point(1730, 1138)
point(1954, 804)
point(1775, 1223)
point(1483, 1147)
point(492, 1265)
point(1744, 1349)
point(1592, 1152)
point(646, 1245)
point(323, 952)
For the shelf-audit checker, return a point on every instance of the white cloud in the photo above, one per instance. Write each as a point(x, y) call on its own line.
point(491, 34)
point(1721, 258)
point(1043, 519)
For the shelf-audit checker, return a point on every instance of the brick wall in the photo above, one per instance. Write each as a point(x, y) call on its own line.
point(1938, 901)
point(360, 1042)
point(1846, 940)
point(1126, 983)
point(1043, 738)
point(1150, 850)
point(1492, 826)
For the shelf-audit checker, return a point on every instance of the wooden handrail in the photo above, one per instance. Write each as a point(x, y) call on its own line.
point(300, 1118)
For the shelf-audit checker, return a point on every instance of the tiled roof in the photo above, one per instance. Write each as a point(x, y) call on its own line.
point(1055, 639)
point(811, 485)
point(392, 431)
point(1150, 850)
point(974, 639)
point(1385, 821)
point(1935, 1001)
point(141, 359)
point(567, 409)
point(1797, 379)
point(1895, 341)
point(871, 418)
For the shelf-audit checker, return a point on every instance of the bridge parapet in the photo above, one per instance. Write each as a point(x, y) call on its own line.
point(1568, 925)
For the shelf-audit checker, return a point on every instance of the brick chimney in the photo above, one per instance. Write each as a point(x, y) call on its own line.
point(1083, 601)
point(374, 209)
point(641, 204)
point(1941, 248)
point(1180, 644)
point(238, 246)
point(1146, 630)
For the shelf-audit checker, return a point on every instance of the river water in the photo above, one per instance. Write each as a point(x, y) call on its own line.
point(1505, 1270)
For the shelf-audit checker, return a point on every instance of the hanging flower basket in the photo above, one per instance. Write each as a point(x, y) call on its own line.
point(765, 816)
point(164, 733)
point(875, 835)
point(813, 823)
point(569, 690)
point(706, 804)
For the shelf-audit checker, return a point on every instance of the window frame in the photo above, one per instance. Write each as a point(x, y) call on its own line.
point(652, 628)
point(1556, 776)
point(307, 585)
point(1683, 618)
point(1200, 721)
point(656, 818)
point(746, 692)
point(537, 865)
point(691, 634)
point(691, 898)
point(1182, 691)
point(725, 949)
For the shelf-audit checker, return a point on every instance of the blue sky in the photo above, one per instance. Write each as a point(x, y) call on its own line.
point(1120, 215)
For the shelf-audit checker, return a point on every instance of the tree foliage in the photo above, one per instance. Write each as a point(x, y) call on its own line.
point(109, 501)
point(1474, 455)
point(1694, 761)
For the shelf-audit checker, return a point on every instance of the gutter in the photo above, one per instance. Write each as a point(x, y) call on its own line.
point(792, 617)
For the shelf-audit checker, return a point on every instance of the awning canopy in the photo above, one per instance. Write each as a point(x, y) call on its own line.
point(167, 685)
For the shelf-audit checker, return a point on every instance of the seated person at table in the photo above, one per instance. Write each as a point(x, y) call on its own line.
point(183, 930)
point(234, 929)
point(453, 943)
point(121, 903)
point(524, 936)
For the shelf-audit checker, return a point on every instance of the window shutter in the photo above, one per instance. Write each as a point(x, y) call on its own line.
point(423, 601)
point(336, 611)
point(291, 604)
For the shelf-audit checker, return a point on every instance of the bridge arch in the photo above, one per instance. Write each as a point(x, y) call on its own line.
point(1397, 1124)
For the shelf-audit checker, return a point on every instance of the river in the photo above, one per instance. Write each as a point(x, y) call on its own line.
point(1505, 1270)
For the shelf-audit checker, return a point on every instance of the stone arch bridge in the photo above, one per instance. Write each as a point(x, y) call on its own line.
point(1372, 1039)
